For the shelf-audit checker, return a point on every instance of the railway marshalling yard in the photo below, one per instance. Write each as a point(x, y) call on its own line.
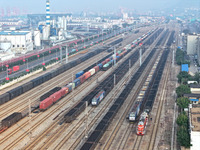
point(46, 130)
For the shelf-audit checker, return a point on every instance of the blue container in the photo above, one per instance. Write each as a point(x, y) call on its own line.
point(77, 82)
point(69, 87)
point(79, 74)
point(184, 67)
point(100, 66)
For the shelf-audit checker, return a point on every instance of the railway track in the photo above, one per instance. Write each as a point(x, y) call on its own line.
point(161, 101)
point(129, 103)
point(19, 138)
point(34, 94)
point(49, 141)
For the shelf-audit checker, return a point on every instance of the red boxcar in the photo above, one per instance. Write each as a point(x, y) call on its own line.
point(56, 96)
point(62, 92)
point(107, 60)
point(66, 89)
point(96, 69)
point(87, 75)
point(46, 103)
point(82, 78)
point(103, 62)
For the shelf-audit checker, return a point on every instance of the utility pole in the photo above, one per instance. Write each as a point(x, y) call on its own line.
point(61, 54)
point(114, 79)
point(140, 53)
point(86, 120)
point(129, 69)
point(66, 54)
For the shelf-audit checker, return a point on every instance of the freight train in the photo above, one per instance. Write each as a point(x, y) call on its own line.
point(41, 79)
point(142, 124)
point(81, 77)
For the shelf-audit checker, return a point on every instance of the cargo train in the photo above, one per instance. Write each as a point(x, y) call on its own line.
point(80, 78)
point(41, 79)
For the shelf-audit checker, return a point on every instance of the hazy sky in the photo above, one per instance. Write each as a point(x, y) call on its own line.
point(38, 6)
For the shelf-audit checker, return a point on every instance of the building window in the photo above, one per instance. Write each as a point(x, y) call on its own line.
point(13, 45)
point(22, 45)
point(198, 119)
point(17, 45)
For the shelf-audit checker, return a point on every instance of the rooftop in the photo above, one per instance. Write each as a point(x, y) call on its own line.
point(192, 95)
point(195, 118)
point(195, 85)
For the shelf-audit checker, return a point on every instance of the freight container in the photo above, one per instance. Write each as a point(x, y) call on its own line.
point(46, 103)
point(87, 75)
point(77, 82)
point(56, 96)
point(92, 71)
point(107, 60)
point(79, 74)
point(4, 98)
point(82, 78)
point(66, 89)
point(72, 84)
point(69, 87)
point(103, 62)
point(100, 66)
point(96, 68)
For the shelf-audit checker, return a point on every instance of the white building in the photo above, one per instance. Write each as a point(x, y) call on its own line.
point(21, 41)
point(192, 44)
point(194, 116)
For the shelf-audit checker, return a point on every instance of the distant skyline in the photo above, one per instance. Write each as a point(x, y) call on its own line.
point(38, 6)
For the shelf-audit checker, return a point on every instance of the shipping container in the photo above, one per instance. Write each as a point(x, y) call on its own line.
point(79, 74)
point(82, 78)
point(66, 89)
point(77, 82)
point(96, 68)
point(100, 66)
point(92, 71)
point(72, 84)
point(46, 103)
point(56, 96)
point(87, 75)
point(69, 86)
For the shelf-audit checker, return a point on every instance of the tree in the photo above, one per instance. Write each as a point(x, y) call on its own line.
point(182, 89)
point(44, 68)
point(182, 119)
point(197, 77)
point(183, 102)
point(183, 76)
point(183, 136)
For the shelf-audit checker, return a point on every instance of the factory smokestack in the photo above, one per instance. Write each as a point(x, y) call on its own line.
point(47, 12)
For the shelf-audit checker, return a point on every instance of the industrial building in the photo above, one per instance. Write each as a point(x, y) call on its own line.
point(19, 41)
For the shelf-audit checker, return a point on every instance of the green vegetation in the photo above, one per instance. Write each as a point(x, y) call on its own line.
point(183, 136)
point(182, 89)
point(183, 102)
point(182, 119)
point(180, 57)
